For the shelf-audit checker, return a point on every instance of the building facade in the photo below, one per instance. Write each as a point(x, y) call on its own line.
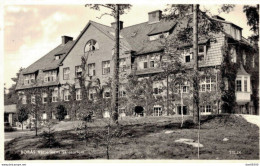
point(141, 56)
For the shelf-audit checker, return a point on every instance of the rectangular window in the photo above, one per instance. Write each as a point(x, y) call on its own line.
point(66, 95)
point(157, 111)
point(245, 84)
point(238, 85)
point(201, 52)
point(66, 73)
point(145, 65)
point(187, 58)
point(33, 99)
point(91, 69)
point(78, 71)
point(201, 49)
point(105, 67)
point(152, 64)
point(44, 98)
point(208, 108)
point(185, 89)
point(157, 88)
point(55, 96)
point(253, 61)
point(78, 94)
point(122, 65)
point(208, 84)
point(24, 99)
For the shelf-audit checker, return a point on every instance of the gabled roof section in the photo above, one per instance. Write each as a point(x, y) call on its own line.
point(108, 31)
point(48, 61)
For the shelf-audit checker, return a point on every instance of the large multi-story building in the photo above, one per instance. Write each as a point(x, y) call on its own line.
point(141, 54)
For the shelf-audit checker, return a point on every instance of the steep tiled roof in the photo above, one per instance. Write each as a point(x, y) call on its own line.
point(138, 35)
point(241, 71)
point(48, 61)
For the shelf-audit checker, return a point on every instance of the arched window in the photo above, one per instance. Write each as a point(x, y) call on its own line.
point(91, 45)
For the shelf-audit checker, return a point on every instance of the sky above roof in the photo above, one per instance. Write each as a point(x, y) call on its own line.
point(31, 31)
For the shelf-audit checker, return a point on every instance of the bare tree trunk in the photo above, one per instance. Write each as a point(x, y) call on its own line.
point(167, 97)
point(22, 125)
point(36, 119)
point(115, 81)
point(196, 115)
point(181, 108)
point(195, 53)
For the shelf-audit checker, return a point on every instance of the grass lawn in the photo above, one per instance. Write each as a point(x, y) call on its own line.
point(146, 138)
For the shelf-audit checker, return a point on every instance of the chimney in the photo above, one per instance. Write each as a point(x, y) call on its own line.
point(113, 25)
point(65, 39)
point(154, 16)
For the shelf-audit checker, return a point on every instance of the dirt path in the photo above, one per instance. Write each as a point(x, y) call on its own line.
point(255, 119)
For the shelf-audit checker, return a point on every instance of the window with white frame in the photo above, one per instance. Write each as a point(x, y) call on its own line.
point(24, 99)
point(201, 52)
point(33, 99)
point(187, 55)
point(57, 57)
point(206, 109)
point(91, 69)
point(29, 79)
point(92, 94)
point(253, 61)
point(185, 89)
point(44, 98)
point(245, 84)
point(50, 76)
point(66, 73)
point(143, 62)
point(78, 94)
point(154, 61)
point(55, 95)
point(66, 94)
point(91, 45)
point(157, 88)
point(122, 65)
point(208, 84)
point(157, 111)
point(122, 92)
point(105, 67)
point(78, 71)
point(238, 84)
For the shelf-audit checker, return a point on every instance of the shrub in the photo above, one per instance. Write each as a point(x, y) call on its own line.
point(188, 123)
point(48, 137)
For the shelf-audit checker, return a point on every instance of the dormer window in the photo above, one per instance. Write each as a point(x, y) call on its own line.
point(201, 52)
point(91, 45)
point(159, 36)
point(50, 76)
point(57, 57)
point(29, 79)
point(187, 55)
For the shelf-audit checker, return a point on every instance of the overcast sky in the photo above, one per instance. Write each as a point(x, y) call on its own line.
point(30, 32)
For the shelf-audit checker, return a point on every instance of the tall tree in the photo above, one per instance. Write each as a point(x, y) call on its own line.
point(11, 97)
point(252, 14)
point(116, 11)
